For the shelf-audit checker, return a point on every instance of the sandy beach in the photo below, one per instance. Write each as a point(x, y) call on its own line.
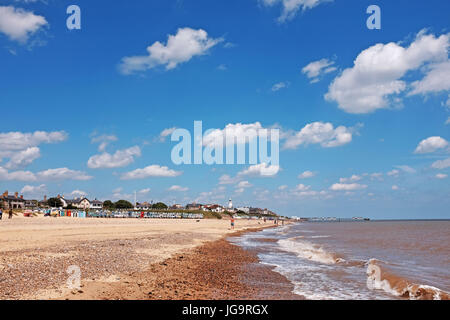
point(131, 259)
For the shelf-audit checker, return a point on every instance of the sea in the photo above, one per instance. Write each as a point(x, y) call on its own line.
point(366, 260)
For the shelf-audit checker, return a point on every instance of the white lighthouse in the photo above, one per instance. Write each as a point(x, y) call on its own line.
point(230, 204)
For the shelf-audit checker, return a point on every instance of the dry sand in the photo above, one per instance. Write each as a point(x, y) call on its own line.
point(36, 252)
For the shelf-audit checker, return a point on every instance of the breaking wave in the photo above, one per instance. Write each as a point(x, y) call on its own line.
point(380, 278)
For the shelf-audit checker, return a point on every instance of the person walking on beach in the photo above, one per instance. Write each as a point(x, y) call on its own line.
point(232, 223)
point(10, 214)
point(1, 213)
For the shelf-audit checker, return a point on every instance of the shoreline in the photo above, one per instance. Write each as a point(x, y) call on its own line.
point(128, 259)
point(215, 270)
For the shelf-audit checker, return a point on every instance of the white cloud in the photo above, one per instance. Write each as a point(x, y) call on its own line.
point(306, 175)
point(441, 176)
point(178, 188)
point(376, 176)
point(150, 171)
point(62, 174)
point(291, 7)
point(180, 48)
point(441, 164)
point(347, 187)
point(377, 72)
point(244, 184)
point(395, 188)
point(222, 67)
point(260, 170)
point(144, 191)
point(302, 187)
point(280, 85)
point(16, 141)
point(19, 24)
point(448, 121)
point(23, 158)
point(431, 144)
point(319, 133)
point(227, 179)
point(353, 178)
point(103, 141)
point(437, 79)
point(78, 193)
point(406, 169)
point(165, 133)
point(121, 158)
point(317, 68)
point(233, 133)
point(393, 173)
point(34, 190)
point(50, 174)
point(283, 187)
point(16, 175)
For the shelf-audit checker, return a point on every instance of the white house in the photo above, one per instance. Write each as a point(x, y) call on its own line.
point(96, 205)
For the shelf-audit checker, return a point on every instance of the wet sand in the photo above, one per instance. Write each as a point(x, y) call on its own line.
point(132, 259)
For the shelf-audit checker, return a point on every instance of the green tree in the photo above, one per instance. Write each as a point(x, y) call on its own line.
point(54, 202)
point(159, 205)
point(108, 204)
point(123, 204)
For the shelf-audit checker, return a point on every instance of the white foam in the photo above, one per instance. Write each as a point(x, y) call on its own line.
point(307, 250)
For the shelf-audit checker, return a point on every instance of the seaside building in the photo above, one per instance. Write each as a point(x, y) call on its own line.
point(143, 206)
point(79, 203)
point(96, 204)
point(244, 209)
point(12, 201)
point(193, 206)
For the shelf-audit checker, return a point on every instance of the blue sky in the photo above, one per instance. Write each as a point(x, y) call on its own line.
point(307, 70)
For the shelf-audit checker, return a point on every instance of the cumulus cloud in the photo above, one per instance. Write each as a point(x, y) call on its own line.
point(50, 174)
point(280, 85)
point(317, 68)
point(121, 158)
point(181, 47)
point(353, 178)
point(395, 188)
point(347, 187)
point(431, 144)
point(19, 24)
point(441, 164)
point(260, 170)
point(23, 158)
point(393, 173)
point(5, 175)
point(437, 79)
point(319, 133)
point(291, 7)
point(16, 141)
point(150, 171)
point(103, 141)
point(306, 175)
point(406, 169)
point(62, 174)
point(233, 133)
point(178, 188)
point(441, 176)
point(376, 77)
point(165, 133)
point(78, 193)
point(34, 190)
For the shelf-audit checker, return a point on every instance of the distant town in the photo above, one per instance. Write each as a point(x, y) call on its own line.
point(18, 202)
